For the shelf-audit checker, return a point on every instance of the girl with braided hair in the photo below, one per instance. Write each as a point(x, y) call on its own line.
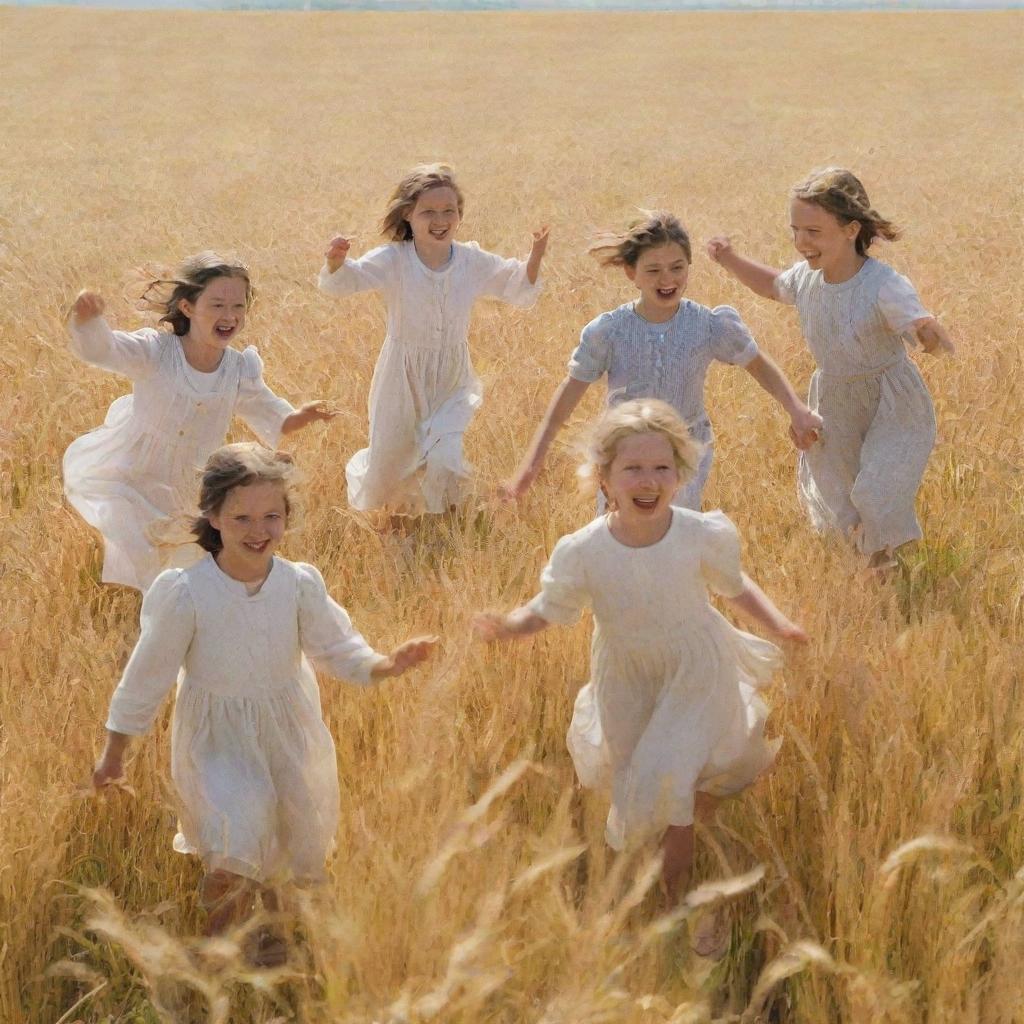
point(862, 475)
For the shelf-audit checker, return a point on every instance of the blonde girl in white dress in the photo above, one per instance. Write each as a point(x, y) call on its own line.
point(424, 391)
point(660, 346)
point(252, 761)
point(142, 466)
point(671, 716)
point(863, 474)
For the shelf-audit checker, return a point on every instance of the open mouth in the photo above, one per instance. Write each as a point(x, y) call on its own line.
point(438, 233)
point(256, 549)
point(224, 332)
point(646, 504)
point(667, 293)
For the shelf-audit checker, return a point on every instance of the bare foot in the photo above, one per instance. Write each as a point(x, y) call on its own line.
point(711, 933)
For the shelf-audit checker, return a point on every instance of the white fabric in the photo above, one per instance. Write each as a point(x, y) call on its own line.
point(424, 391)
point(143, 464)
point(671, 707)
point(253, 762)
point(863, 475)
point(667, 361)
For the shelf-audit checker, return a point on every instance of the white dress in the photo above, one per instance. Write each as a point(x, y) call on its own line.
point(424, 391)
point(667, 361)
point(143, 465)
point(863, 475)
point(671, 707)
point(253, 763)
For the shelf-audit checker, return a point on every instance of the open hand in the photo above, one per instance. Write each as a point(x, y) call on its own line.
point(336, 252)
point(719, 248)
point(407, 656)
point(311, 412)
point(87, 306)
point(491, 626)
point(787, 630)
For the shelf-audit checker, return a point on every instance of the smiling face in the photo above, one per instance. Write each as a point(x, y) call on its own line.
point(218, 313)
point(824, 240)
point(642, 479)
point(251, 523)
point(434, 219)
point(660, 275)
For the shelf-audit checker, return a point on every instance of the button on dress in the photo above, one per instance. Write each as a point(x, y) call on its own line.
point(424, 391)
point(143, 465)
point(672, 704)
point(253, 762)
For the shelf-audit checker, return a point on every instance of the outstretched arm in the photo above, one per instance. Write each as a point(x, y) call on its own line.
point(494, 626)
point(565, 399)
point(87, 306)
point(758, 277)
point(755, 603)
point(539, 247)
point(311, 412)
point(405, 657)
point(803, 424)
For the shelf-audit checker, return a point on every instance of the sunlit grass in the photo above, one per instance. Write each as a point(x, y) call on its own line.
point(875, 873)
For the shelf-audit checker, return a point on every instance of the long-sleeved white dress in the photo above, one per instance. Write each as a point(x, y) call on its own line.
point(253, 763)
point(863, 475)
point(424, 391)
point(668, 361)
point(143, 464)
point(672, 706)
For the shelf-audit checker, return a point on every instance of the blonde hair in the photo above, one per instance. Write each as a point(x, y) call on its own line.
point(395, 223)
point(638, 416)
point(164, 294)
point(840, 192)
point(624, 248)
point(238, 465)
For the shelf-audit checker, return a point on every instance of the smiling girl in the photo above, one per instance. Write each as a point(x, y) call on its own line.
point(252, 760)
point(660, 346)
point(670, 717)
point(424, 391)
point(141, 466)
point(863, 475)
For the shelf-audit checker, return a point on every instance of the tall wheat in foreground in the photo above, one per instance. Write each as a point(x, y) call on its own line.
point(876, 874)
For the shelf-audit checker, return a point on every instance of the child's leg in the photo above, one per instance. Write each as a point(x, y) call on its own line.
point(677, 863)
point(227, 899)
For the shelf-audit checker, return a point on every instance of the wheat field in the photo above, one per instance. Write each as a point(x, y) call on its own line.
point(877, 874)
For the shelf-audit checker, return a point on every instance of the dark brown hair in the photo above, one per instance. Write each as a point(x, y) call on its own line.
point(623, 248)
point(238, 465)
point(840, 192)
point(395, 224)
point(164, 295)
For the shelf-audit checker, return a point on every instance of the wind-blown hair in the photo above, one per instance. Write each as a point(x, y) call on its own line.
point(624, 248)
point(840, 192)
point(164, 295)
point(395, 224)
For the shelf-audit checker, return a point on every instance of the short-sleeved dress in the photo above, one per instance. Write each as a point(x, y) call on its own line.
point(143, 464)
point(863, 475)
point(667, 361)
point(424, 391)
point(253, 762)
point(671, 707)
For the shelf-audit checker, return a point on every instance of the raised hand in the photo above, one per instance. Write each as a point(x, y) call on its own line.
point(336, 252)
point(540, 241)
point(719, 247)
point(406, 656)
point(87, 306)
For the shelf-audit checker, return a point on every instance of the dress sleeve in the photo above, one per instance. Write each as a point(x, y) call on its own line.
point(135, 355)
point(503, 278)
point(563, 594)
point(787, 282)
point(375, 271)
point(257, 404)
point(731, 340)
point(326, 633)
point(590, 358)
point(899, 303)
point(168, 624)
point(720, 555)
